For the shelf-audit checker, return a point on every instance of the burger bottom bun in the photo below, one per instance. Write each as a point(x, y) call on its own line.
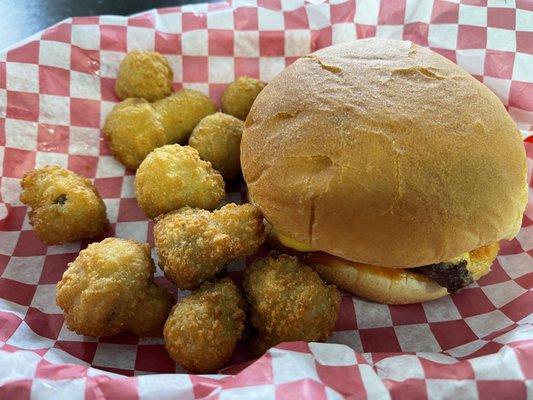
point(386, 285)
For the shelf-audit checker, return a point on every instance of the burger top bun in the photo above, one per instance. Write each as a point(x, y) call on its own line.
point(385, 153)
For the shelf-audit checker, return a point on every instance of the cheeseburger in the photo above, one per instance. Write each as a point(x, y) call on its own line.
point(387, 168)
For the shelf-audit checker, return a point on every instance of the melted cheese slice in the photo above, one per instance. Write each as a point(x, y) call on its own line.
point(291, 243)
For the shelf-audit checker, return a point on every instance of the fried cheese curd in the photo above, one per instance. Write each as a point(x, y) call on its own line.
point(174, 176)
point(239, 96)
point(133, 130)
point(288, 302)
point(195, 245)
point(104, 288)
point(144, 74)
point(65, 207)
point(202, 329)
point(218, 139)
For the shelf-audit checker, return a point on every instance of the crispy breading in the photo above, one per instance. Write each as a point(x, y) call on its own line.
point(203, 328)
point(194, 245)
point(145, 74)
point(239, 96)
point(133, 130)
point(151, 312)
point(65, 207)
point(101, 288)
point(288, 302)
point(174, 176)
point(181, 111)
point(218, 138)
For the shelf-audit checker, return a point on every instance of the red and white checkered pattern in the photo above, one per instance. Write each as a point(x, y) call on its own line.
point(55, 91)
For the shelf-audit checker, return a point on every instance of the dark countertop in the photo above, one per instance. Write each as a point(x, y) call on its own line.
point(22, 18)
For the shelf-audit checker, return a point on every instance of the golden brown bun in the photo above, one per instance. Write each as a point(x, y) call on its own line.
point(392, 286)
point(385, 153)
point(408, 289)
point(386, 285)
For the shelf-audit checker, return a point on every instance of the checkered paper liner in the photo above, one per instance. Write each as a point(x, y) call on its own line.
point(56, 89)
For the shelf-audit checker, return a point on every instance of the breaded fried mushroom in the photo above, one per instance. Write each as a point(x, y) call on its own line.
point(145, 74)
point(174, 176)
point(239, 96)
point(65, 207)
point(194, 245)
point(218, 138)
point(133, 130)
point(288, 302)
point(180, 113)
point(202, 330)
point(151, 312)
point(101, 289)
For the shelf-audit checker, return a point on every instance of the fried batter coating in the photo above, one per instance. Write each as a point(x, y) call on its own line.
point(145, 74)
point(174, 176)
point(151, 312)
point(218, 139)
point(194, 245)
point(202, 330)
point(181, 112)
point(101, 288)
point(65, 207)
point(239, 96)
point(133, 130)
point(288, 302)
